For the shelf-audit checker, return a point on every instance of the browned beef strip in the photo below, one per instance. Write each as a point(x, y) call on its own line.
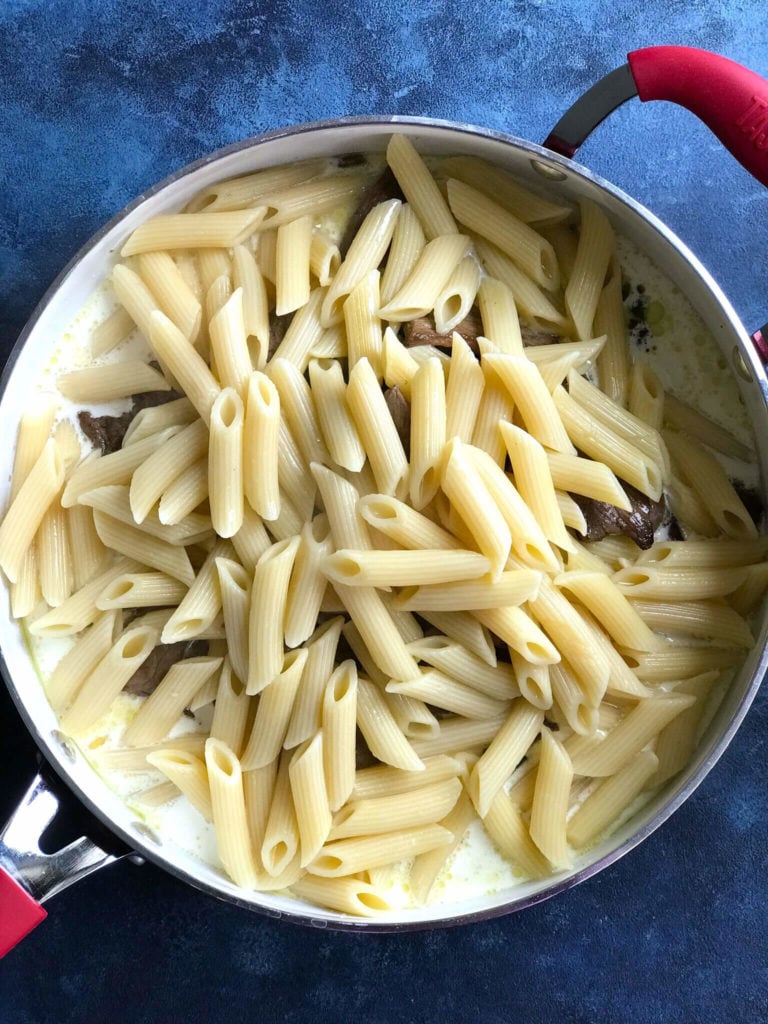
point(639, 524)
point(363, 756)
point(534, 335)
point(351, 160)
point(107, 432)
point(400, 411)
point(423, 332)
point(277, 329)
point(751, 499)
point(385, 187)
point(146, 679)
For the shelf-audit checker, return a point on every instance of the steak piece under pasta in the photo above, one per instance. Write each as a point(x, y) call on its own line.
point(146, 679)
point(385, 187)
point(639, 525)
point(423, 332)
point(400, 411)
point(107, 432)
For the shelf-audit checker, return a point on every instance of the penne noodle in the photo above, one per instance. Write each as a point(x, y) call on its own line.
point(613, 360)
point(646, 396)
point(294, 241)
point(402, 568)
point(631, 734)
point(338, 430)
point(419, 187)
point(440, 691)
point(347, 895)
point(308, 582)
point(225, 779)
point(509, 832)
point(111, 332)
point(533, 480)
point(232, 709)
point(713, 488)
point(306, 718)
point(339, 715)
point(362, 324)
point(229, 345)
point(186, 231)
point(408, 242)
point(141, 547)
point(499, 315)
point(504, 753)
point(162, 467)
point(273, 713)
point(550, 801)
point(431, 273)
point(602, 444)
point(245, 191)
point(110, 381)
point(266, 624)
point(174, 296)
point(187, 772)
point(184, 362)
point(378, 815)
point(324, 257)
point(687, 420)
point(364, 254)
point(609, 605)
point(246, 277)
point(38, 491)
point(710, 620)
point(165, 705)
point(235, 587)
point(532, 253)
point(107, 678)
point(495, 182)
point(280, 845)
point(310, 797)
point(376, 430)
point(455, 301)
point(298, 407)
point(532, 400)
point(613, 796)
point(512, 588)
point(593, 255)
point(464, 392)
point(348, 856)
point(380, 730)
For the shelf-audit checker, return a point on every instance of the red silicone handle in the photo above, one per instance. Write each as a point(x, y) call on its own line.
point(19, 913)
point(729, 99)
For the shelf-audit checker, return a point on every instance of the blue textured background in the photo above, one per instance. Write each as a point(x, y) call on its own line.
point(100, 100)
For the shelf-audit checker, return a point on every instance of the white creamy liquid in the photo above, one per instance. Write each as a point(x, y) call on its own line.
point(690, 365)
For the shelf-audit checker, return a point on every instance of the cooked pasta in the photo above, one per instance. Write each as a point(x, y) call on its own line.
point(362, 526)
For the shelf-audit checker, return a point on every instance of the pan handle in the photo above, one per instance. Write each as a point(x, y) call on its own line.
point(729, 98)
point(28, 877)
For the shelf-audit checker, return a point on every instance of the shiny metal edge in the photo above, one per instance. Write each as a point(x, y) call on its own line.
point(58, 761)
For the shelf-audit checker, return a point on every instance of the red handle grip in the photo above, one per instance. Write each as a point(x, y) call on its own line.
point(728, 98)
point(19, 913)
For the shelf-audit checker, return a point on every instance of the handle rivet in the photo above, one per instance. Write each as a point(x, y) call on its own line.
point(740, 364)
point(147, 833)
point(66, 745)
point(548, 172)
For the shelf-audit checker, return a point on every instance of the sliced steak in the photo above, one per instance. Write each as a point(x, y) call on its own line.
point(639, 525)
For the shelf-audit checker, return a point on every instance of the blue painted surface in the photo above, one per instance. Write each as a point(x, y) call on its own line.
point(99, 100)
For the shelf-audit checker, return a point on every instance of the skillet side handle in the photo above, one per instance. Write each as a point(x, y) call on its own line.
point(28, 876)
point(19, 913)
point(729, 98)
